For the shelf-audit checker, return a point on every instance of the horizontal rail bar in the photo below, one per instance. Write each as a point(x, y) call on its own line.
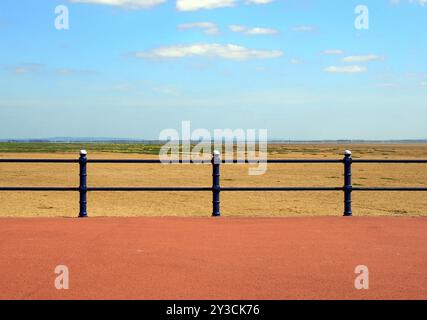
point(39, 189)
point(283, 161)
point(225, 161)
point(388, 161)
point(149, 189)
point(281, 188)
point(128, 161)
point(208, 161)
point(40, 160)
point(388, 189)
point(210, 189)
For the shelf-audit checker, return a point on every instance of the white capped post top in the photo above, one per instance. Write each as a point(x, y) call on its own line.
point(347, 152)
point(83, 152)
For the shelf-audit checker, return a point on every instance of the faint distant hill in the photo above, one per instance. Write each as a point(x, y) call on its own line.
point(148, 141)
point(81, 139)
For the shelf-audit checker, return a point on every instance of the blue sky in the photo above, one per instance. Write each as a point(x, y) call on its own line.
point(131, 68)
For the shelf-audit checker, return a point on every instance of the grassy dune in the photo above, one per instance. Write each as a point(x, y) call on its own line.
point(53, 147)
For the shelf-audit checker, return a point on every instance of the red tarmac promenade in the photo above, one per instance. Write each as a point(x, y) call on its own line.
point(214, 258)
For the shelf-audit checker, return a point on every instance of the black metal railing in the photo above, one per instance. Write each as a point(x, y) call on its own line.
point(216, 188)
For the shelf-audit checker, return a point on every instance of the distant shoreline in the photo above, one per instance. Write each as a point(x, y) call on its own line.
point(159, 142)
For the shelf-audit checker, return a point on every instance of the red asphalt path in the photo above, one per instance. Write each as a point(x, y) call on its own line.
point(214, 258)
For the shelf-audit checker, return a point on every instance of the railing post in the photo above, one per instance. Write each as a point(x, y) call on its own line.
point(216, 188)
point(347, 183)
point(83, 184)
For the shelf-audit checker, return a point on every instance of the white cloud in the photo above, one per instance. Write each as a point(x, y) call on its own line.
point(366, 58)
point(22, 70)
point(295, 61)
point(237, 28)
point(73, 72)
point(207, 27)
point(253, 31)
point(346, 69)
point(303, 28)
point(259, 1)
point(261, 31)
point(129, 4)
point(420, 2)
point(333, 52)
point(193, 5)
point(423, 84)
point(225, 51)
point(33, 68)
point(27, 68)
